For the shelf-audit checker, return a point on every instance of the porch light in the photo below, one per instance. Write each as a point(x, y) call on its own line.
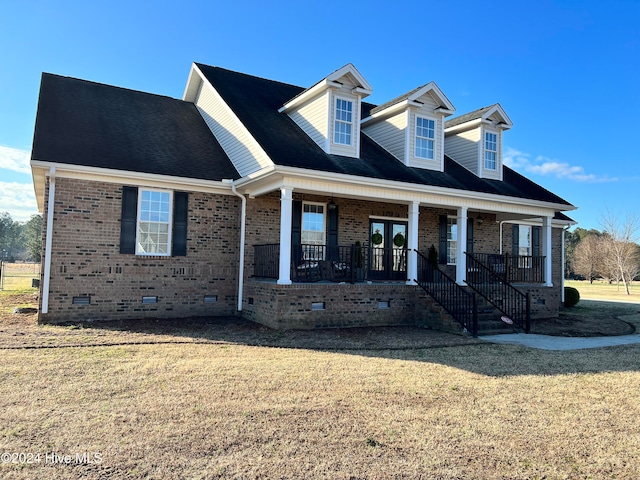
point(332, 205)
point(480, 220)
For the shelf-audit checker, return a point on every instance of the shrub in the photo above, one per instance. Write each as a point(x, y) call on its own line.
point(571, 297)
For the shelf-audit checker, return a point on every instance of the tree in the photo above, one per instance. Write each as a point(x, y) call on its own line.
point(572, 240)
point(621, 252)
point(10, 231)
point(587, 257)
point(32, 234)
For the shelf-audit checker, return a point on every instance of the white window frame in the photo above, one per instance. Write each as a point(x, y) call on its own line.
point(139, 221)
point(426, 139)
point(525, 262)
point(452, 221)
point(337, 121)
point(487, 151)
point(309, 254)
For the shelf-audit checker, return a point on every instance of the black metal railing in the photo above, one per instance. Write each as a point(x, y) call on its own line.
point(514, 268)
point(494, 287)
point(313, 263)
point(459, 303)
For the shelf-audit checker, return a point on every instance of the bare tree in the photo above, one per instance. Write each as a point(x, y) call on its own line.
point(621, 249)
point(587, 257)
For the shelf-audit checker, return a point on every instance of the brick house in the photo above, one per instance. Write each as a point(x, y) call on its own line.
point(293, 207)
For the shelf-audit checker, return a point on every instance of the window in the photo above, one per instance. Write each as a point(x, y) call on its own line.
point(524, 246)
point(313, 230)
point(154, 223)
point(524, 240)
point(425, 135)
point(343, 122)
point(490, 150)
point(452, 241)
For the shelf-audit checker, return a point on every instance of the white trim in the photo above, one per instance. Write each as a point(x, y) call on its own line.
point(462, 216)
point(46, 280)
point(398, 219)
point(433, 139)
point(424, 191)
point(325, 211)
point(243, 222)
point(139, 253)
point(286, 210)
point(151, 180)
point(353, 122)
point(413, 225)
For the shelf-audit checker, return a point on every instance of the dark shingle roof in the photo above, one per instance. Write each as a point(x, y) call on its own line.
point(92, 124)
point(394, 101)
point(256, 102)
point(467, 117)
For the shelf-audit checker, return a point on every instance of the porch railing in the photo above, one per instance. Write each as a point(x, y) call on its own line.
point(492, 285)
point(313, 263)
point(514, 268)
point(459, 303)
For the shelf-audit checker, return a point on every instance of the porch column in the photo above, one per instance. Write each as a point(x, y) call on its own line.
point(546, 245)
point(461, 246)
point(286, 209)
point(412, 243)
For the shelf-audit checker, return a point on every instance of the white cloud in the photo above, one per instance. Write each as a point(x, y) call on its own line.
point(546, 166)
point(18, 199)
point(14, 159)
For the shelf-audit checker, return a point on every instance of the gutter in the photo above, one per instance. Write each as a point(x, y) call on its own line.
point(243, 218)
point(48, 242)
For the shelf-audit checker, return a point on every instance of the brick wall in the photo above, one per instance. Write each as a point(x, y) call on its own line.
point(343, 305)
point(86, 259)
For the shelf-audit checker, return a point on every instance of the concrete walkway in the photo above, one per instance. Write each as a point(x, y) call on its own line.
point(548, 342)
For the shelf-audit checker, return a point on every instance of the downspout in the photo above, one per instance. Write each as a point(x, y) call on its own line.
point(564, 230)
point(48, 241)
point(243, 217)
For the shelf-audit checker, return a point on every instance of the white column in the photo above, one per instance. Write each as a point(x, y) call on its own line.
point(286, 209)
point(412, 243)
point(546, 245)
point(461, 246)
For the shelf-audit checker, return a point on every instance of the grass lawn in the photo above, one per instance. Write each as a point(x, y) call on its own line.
point(601, 289)
point(215, 406)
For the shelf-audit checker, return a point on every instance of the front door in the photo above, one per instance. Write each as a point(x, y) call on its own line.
point(388, 250)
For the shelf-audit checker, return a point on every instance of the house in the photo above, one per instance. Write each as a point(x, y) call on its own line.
point(293, 207)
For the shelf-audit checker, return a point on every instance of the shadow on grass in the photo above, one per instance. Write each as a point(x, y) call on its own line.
point(394, 343)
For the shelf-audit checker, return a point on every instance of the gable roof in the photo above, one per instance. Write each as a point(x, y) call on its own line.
point(480, 114)
point(91, 124)
point(348, 71)
point(256, 101)
point(416, 93)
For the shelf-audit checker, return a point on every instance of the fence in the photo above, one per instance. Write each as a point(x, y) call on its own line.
point(18, 276)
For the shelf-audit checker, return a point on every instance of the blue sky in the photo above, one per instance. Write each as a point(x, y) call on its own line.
point(566, 72)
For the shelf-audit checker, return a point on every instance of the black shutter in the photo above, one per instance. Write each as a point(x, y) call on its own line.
point(536, 241)
point(442, 254)
point(515, 241)
point(128, 220)
point(332, 233)
point(296, 230)
point(469, 235)
point(180, 216)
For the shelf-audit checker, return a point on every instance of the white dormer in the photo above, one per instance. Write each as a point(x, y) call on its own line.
point(329, 112)
point(474, 140)
point(411, 126)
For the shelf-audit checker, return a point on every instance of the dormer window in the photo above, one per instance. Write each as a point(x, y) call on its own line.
point(425, 137)
point(490, 150)
point(343, 124)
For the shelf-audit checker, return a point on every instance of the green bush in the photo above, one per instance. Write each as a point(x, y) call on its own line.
point(571, 297)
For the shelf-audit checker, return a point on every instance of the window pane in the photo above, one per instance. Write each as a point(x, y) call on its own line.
point(153, 223)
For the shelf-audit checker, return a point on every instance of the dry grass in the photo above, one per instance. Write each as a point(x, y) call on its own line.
point(227, 409)
point(601, 289)
point(18, 276)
